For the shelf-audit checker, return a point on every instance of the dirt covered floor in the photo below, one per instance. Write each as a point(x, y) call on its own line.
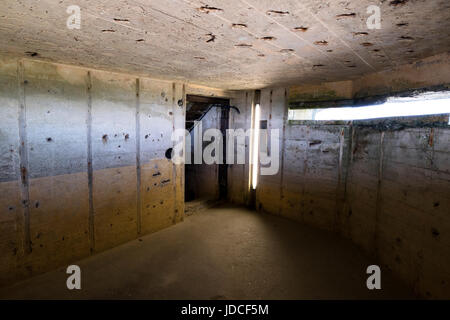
point(222, 253)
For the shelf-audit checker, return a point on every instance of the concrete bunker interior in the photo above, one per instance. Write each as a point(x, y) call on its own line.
point(88, 139)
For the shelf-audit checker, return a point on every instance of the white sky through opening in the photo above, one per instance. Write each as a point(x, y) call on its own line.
point(425, 104)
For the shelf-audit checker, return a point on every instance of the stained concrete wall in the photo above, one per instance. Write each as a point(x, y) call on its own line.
point(238, 174)
point(83, 164)
point(385, 189)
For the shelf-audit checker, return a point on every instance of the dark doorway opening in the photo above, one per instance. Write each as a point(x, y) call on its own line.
point(203, 181)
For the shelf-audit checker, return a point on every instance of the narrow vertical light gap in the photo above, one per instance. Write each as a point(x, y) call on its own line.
point(255, 150)
point(252, 126)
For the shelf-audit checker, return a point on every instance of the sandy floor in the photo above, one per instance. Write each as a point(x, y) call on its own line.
point(222, 253)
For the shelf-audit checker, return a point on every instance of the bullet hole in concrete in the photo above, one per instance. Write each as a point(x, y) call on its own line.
point(261, 55)
point(287, 51)
point(140, 240)
point(180, 102)
point(200, 58)
point(243, 45)
point(268, 38)
point(435, 232)
point(436, 204)
point(140, 40)
point(119, 146)
point(406, 38)
point(146, 136)
point(115, 136)
point(161, 202)
point(276, 13)
point(121, 20)
point(402, 24)
point(315, 142)
point(212, 37)
point(170, 113)
point(11, 208)
point(31, 53)
point(346, 15)
point(157, 174)
point(23, 173)
point(169, 153)
point(376, 50)
point(367, 44)
point(63, 239)
point(351, 66)
point(302, 29)
point(208, 9)
point(398, 2)
point(239, 25)
point(36, 205)
point(49, 139)
point(329, 50)
point(127, 136)
point(321, 43)
point(165, 181)
point(410, 51)
point(108, 30)
point(360, 33)
point(318, 65)
point(111, 225)
point(105, 138)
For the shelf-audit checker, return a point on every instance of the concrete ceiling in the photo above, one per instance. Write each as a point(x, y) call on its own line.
point(233, 44)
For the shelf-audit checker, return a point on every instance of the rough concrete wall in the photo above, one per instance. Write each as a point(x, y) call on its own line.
point(311, 174)
point(388, 191)
point(238, 174)
point(87, 149)
point(273, 110)
point(428, 72)
point(413, 221)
